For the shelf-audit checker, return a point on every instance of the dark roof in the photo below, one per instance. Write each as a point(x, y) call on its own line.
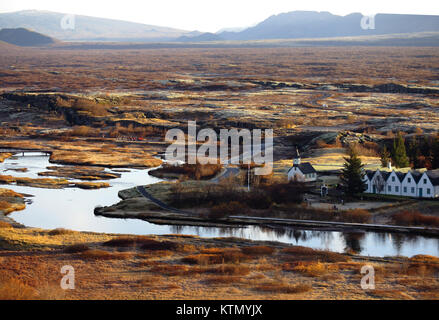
point(370, 174)
point(416, 175)
point(400, 175)
point(385, 175)
point(434, 176)
point(304, 167)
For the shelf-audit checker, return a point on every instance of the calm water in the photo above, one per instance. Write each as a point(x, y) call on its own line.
point(73, 209)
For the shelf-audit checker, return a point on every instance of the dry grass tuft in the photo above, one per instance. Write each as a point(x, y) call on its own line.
point(126, 241)
point(308, 268)
point(221, 256)
point(4, 224)
point(409, 218)
point(60, 231)
point(159, 245)
point(231, 269)
point(223, 279)
point(171, 270)
point(105, 255)
point(14, 289)
point(281, 287)
point(298, 253)
point(258, 250)
point(75, 248)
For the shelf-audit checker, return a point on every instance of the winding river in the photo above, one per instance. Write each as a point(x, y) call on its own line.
point(72, 208)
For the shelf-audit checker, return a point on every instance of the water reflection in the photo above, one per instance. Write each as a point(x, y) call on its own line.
point(73, 209)
point(353, 241)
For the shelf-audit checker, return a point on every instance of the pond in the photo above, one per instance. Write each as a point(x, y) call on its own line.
point(72, 208)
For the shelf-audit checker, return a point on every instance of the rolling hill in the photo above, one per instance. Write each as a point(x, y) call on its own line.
point(312, 24)
point(25, 38)
point(86, 28)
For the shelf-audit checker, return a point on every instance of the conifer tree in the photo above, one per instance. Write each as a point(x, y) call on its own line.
point(399, 155)
point(435, 152)
point(352, 177)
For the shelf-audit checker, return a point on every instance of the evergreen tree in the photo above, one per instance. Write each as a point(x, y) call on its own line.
point(414, 152)
point(435, 152)
point(352, 177)
point(385, 157)
point(399, 154)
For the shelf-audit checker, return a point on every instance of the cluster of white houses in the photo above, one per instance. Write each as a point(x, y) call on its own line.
point(410, 184)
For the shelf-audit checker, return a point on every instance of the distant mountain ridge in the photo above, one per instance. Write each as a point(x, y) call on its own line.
point(290, 25)
point(312, 24)
point(87, 28)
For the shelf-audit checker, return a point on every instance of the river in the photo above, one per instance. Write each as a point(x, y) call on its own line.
point(72, 208)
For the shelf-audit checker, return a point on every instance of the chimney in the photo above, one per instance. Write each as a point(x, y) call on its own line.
point(389, 165)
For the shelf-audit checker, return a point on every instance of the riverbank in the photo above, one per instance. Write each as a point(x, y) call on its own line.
point(155, 209)
point(191, 267)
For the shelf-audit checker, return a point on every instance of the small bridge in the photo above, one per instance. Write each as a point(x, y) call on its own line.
point(24, 151)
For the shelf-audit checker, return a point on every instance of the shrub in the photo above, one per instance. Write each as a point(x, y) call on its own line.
point(289, 192)
point(150, 244)
point(75, 248)
point(226, 256)
point(60, 231)
point(105, 255)
point(408, 218)
point(192, 171)
point(298, 253)
point(355, 216)
point(258, 250)
point(83, 131)
point(127, 241)
point(225, 209)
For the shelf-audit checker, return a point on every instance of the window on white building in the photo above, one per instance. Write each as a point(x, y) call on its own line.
point(405, 189)
point(413, 189)
point(389, 188)
point(396, 189)
point(428, 190)
point(409, 180)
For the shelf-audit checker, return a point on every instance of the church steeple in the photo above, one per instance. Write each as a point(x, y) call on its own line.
point(296, 158)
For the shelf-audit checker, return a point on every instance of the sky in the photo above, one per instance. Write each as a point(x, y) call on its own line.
point(212, 15)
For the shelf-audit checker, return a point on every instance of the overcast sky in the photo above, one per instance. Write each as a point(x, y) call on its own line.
point(212, 15)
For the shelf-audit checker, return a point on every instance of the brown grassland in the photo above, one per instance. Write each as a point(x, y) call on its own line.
point(182, 267)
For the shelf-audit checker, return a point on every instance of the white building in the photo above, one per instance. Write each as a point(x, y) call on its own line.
point(303, 172)
point(409, 184)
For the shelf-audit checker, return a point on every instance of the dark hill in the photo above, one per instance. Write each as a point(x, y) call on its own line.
point(24, 37)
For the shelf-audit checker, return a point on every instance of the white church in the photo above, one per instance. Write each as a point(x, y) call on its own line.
point(303, 172)
point(410, 184)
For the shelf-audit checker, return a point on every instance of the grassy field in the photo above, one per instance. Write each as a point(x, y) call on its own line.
point(187, 267)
